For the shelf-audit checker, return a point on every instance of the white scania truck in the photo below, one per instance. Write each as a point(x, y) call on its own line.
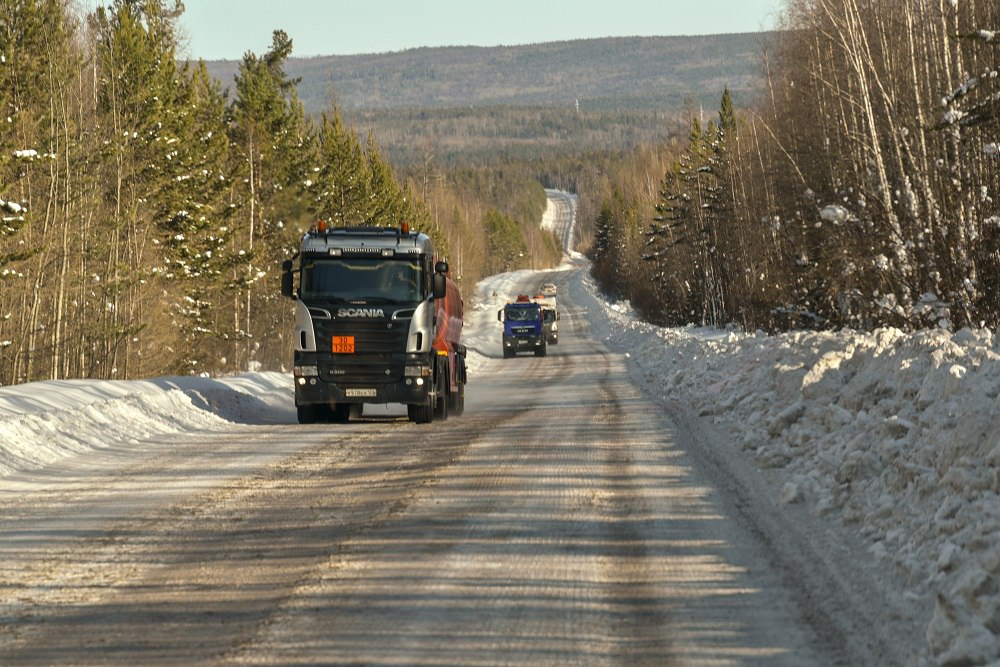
point(377, 320)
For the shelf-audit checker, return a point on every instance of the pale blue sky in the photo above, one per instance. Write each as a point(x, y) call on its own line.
point(224, 29)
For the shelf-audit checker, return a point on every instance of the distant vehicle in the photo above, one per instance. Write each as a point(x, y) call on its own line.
point(523, 327)
point(549, 289)
point(550, 315)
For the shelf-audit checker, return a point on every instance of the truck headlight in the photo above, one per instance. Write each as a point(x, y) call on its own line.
point(416, 371)
point(306, 371)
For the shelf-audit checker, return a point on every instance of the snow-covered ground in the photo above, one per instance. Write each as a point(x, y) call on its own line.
point(43, 423)
point(897, 434)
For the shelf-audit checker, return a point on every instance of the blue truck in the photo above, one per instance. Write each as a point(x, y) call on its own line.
point(523, 327)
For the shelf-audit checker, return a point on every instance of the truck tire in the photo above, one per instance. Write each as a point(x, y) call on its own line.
point(443, 400)
point(340, 413)
point(306, 414)
point(456, 401)
point(540, 351)
point(420, 414)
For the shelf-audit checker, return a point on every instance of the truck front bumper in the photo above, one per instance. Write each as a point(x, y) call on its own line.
point(517, 343)
point(316, 391)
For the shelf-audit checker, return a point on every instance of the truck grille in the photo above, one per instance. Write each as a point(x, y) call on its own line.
point(379, 350)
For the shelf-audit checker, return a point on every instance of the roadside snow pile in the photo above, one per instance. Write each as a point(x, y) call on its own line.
point(42, 422)
point(897, 433)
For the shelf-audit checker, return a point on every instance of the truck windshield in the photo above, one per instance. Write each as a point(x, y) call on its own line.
point(361, 279)
point(522, 314)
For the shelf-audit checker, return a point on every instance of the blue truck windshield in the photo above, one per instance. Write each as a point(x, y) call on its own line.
point(361, 279)
point(522, 313)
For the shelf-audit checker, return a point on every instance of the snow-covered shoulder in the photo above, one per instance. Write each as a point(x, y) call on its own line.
point(42, 422)
point(897, 433)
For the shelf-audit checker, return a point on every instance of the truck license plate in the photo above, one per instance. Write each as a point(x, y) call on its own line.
point(343, 344)
point(366, 393)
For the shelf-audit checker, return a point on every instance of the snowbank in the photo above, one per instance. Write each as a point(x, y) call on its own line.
point(898, 434)
point(44, 422)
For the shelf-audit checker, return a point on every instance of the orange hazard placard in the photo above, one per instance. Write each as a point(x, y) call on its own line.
point(343, 344)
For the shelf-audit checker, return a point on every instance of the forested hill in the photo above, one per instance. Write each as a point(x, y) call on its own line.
point(664, 73)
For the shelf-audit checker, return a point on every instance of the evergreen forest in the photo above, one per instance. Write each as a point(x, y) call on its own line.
point(860, 190)
point(146, 209)
point(146, 204)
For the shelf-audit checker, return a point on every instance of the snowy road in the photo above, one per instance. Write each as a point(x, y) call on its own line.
point(564, 519)
point(557, 522)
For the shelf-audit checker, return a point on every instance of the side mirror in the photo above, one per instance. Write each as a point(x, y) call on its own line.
point(499, 316)
point(287, 284)
point(440, 286)
point(441, 266)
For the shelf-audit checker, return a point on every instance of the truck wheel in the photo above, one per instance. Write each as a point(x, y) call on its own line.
point(420, 414)
point(540, 351)
point(457, 401)
point(306, 414)
point(507, 353)
point(443, 399)
point(340, 413)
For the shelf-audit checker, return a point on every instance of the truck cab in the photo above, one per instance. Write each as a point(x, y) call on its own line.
point(523, 327)
point(377, 320)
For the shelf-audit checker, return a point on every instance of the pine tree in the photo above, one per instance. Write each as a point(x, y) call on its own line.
point(33, 39)
point(24, 28)
point(194, 219)
point(976, 102)
point(387, 206)
point(505, 240)
point(137, 93)
point(341, 192)
point(271, 143)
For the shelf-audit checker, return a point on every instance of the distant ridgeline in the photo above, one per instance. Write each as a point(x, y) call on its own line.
point(644, 78)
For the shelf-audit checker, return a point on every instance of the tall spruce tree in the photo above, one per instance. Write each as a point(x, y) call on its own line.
point(34, 54)
point(271, 143)
point(721, 244)
point(505, 240)
point(341, 192)
point(137, 93)
point(387, 206)
point(667, 231)
point(195, 222)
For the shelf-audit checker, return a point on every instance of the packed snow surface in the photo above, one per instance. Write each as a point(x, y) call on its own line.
point(895, 433)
